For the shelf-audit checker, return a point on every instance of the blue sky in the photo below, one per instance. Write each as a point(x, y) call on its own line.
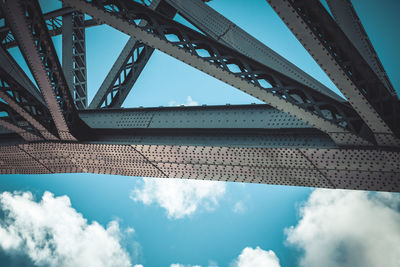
point(159, 223)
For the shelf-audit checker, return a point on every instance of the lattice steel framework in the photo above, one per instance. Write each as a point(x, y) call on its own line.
point(305, 136)
point(74, 57)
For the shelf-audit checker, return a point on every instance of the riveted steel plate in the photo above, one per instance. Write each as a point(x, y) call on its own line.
point(328, 168)
point(365, 180)
point(262, 157)
point(257, 140)
point(94, 158)
point(14, 160)
point(251, 116)
point(295, 177)
point(354, 159)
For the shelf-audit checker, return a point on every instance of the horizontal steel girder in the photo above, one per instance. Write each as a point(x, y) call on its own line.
point(359, 169)
point(226, 116)
point(226, 64)
point(343, 63)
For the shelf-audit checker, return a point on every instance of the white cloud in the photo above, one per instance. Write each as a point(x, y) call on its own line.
point(189, 102)
point(52, 233)
point(256, 257)
point(239, 207)
point(210, 264)
point(348, 228)
point(179, 198)
point(182, 265)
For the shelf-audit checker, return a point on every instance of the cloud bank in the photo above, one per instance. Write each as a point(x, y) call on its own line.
point(348, 228)
point(52, 233)
point(179, 198)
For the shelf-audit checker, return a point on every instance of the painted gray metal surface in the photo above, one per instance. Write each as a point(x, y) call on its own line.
point(246, 116)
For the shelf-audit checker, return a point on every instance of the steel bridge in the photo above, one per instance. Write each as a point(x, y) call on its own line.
point(304, 134)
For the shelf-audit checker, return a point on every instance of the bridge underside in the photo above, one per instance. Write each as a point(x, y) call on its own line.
point(304, 134)
point(362, 169)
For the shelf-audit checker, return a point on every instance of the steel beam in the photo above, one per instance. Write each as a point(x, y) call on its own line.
point(12, 121)
point(346, 67)
point(346, 17)
point(238, 125)
point(197, 117)
point(29, 28)
point(334, 118)
point(357, 169)
point(122, 76)
point(26, 105)
point(74, 57)
point(127, 68)
point(8, 64)
point(223, 30)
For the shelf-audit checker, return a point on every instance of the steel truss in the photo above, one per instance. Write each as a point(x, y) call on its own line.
point(74, 56)
point(303, 136)
point(30, 30)
point(344, 64)
point(224, 63)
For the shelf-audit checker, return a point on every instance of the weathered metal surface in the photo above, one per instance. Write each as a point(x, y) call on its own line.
point(367, 169)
